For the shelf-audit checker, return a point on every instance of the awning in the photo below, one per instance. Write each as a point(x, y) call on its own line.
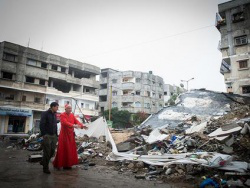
point(6, 110)
point(225, 66)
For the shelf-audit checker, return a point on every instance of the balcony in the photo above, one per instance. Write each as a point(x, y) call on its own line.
point(24, 104)
point(103, 92)
point(103, 80)
point(128, 85)
point(90, 83)
point(57, 75)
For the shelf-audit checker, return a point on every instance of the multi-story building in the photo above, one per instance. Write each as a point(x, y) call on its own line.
point(31, 79)
point(170, 90)
point(233, 22)
point(130, 90)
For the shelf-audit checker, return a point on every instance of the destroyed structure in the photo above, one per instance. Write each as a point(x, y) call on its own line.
point(31, 79)
point(131, 90)
point(233, 23)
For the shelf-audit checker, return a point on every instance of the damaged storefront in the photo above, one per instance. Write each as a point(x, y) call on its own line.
point(15, 120)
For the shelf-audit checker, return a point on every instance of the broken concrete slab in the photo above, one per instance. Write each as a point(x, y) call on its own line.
point(196, 128)
point(220, 132)
point(229, 126)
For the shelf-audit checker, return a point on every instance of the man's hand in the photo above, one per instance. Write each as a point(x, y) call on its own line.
point(85, 127)
point(75, 126)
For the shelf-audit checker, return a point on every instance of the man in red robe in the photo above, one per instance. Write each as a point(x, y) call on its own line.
point(66, 155)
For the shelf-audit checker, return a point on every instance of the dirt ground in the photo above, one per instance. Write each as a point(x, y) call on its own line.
point(16, 171)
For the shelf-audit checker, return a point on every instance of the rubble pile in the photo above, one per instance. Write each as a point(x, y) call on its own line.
point(226, 131)
point(92, 151)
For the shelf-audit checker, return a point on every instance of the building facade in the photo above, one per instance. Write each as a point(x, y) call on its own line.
point(130, 90)
point(170, 90)
point(31, 79)
point(233, 22)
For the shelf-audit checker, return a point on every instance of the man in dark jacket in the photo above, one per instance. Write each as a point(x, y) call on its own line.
point(48, 128)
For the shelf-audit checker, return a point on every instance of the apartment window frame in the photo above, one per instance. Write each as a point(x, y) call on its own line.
point(42, 82)
point(243, 64)
point(29, 77)
point(44, 65)
point(9, 57)
point(54, 67)
point(24, 98)
point(31, 62)
point(10, 97)
point(238, 17)
point(246, 89)
point(241, 40)
point(138, 80)
point(114, 93)
point(5, 75)
point(37, 100)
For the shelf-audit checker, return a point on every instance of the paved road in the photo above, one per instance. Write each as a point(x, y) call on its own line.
point(15, 171)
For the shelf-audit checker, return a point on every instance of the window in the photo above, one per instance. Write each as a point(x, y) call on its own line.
point(82, 105)
point(238, 17)
point(243, 64)
point(114, 81)
point(9, 57)
point(7, 75)
point(137, 80)
point(153, 94)
point(125, 92)
point(148, 93)
point(165, 93)
point(160, 95)
point(137, 104)
point(147, 105)
point(63, 69)
point(30, 79)
point(245, 89)
point(114, 104)
point(10, 97)
point(37, 100)
point(114, 93)
point(54, 67)
point(87, 90)
point(137, 93)
point(23, 98)
point(87, 106)
point(47, 101)
point(42, 82)
point(240, 40)
point(31, 62)
point(44, 65)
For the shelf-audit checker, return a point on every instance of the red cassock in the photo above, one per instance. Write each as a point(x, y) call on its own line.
point(66, 155)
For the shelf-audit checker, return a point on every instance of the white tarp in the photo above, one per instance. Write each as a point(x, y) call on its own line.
point(212, 159)
point(155, 136)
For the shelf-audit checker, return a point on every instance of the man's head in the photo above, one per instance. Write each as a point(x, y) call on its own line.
point(54, 107)
point(68, 109)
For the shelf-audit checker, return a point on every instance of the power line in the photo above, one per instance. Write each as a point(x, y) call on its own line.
point(150, 41)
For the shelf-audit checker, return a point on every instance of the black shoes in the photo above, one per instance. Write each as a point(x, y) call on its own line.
point(67, 168)
point(46, 171)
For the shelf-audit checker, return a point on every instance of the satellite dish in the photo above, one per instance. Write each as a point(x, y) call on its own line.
point(182, 85)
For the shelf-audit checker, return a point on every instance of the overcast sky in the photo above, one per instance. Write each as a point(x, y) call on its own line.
point(176, 39)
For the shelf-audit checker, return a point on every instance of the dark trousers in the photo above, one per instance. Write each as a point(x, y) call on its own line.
point(49, 146)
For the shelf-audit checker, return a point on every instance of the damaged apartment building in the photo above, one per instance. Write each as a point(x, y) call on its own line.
point(131, 90)
point(233, 22)
point(31, 79)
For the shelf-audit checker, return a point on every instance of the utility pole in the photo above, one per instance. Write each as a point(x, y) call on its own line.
point(110, 102)
point(187, 82)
